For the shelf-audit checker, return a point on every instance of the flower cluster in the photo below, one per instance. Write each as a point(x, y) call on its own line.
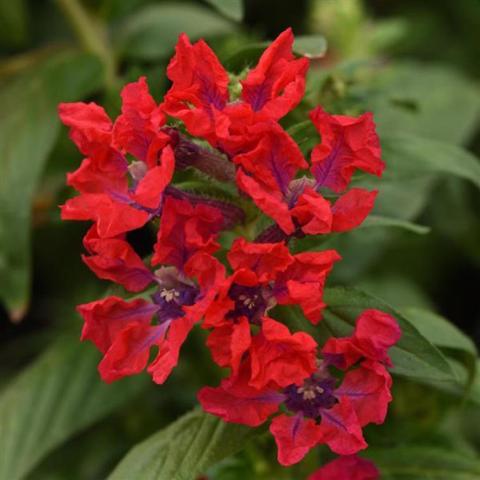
point(316, 395)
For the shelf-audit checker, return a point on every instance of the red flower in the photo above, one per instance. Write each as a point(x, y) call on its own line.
point(318, 411)
point(199, 95)
point(264, 275)
point(348, 467)
point(185, 228)
point(348, 143)
point(114, 259)
point(102, 179)
point(124, 331)
point(375, 332)
point(276, 85)
point(268, 174)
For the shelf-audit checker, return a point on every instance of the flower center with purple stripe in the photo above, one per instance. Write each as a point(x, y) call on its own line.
point(312, 397)
point(249, 302)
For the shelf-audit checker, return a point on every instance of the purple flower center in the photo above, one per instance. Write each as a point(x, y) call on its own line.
point(312, 397)
point(172, 295)
point(249, 302)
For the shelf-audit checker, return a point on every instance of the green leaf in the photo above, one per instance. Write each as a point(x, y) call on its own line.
point(414, 356)
point(153, 31)
point(310, 46)
point(184, 449)
point(418, 462)
point(28, 130)
point(408, 155)
point(379, 221)
point(431, 101)
point(230, 8)
point(59, 395)
point(13, 22)
point(440, 331)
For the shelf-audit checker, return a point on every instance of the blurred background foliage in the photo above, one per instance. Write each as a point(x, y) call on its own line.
point(414, 64)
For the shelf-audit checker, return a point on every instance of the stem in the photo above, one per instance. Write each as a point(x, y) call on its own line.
point(90, 35)
point(208, 161)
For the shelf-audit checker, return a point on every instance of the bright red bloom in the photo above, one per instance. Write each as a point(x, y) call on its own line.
point(264, 275)
point(348, 144)
point(104, 176)
point(200, 98)
point(276, 85)
point(279, 357)
point(375, 332)
point(124, 331)
point(348, 467)
point(114, 259)
point(185, 229)
point(137, 129)
point(268, 174)
point(303, 281)
point(318, 411)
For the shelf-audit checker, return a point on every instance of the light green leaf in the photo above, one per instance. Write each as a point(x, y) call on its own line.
point(414, 355)
point(184, 449)
point(379, 221)
point(310, 46)
point(152, 32)
point(431, 101)
point(59, 395)
point(230, 8)
point(28, 129)
point(408, 155)
point(418, 462)
point(439, 330)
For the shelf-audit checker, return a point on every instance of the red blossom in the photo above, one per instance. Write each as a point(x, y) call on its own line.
point(319, 408)
point(348, 144)
point(375, 332)
point(114, 259)
point(349, 467)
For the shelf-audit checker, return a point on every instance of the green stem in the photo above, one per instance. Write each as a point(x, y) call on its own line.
point(90, 34)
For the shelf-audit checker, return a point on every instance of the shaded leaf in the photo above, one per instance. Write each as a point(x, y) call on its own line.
point(28, 129)
point(310, 46)
point(440, 331)
point(409, 155)
point(184, 449)
point(152, 32)
point(230, 8)
point(432, 101)
point(13, 22)
point(379, 221)
point(415, 462)
point(59, 395)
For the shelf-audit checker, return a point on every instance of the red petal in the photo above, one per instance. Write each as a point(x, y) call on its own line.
point(313, 213)
point(341, 430)
point(348, 143)
point(169, 350)
point(105, 319)
point(115, 259)
point(368, 389)
point(234, 401)
point(349, 467)
point(295, 437)
point(277, 84)
point(352, 208)
point(265, 259)
point(280, 358)
point(270, 202)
